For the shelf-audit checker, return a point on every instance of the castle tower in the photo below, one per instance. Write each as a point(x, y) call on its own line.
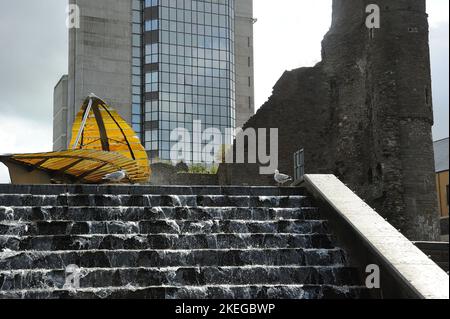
point(383, 113)
point(401, 79)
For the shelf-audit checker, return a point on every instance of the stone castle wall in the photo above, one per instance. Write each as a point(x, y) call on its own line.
point(364, 113)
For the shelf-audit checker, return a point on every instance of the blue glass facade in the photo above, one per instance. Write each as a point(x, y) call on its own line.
point(187, 71)
point(136, 72)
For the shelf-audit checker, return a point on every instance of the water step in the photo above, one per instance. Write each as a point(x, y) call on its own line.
point(204, 292)
point(153, 213)
point(154, 200)
point(165, 241)
point(13, 260)
point(179, 277)
point(169, 242)
point(162, 227)
point(144, 190)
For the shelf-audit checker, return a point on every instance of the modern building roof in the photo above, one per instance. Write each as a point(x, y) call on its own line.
point(441, 155)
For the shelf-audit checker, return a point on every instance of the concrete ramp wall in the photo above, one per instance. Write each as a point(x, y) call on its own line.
point(405, 271)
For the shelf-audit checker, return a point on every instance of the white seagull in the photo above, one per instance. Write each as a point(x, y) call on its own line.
point(281, 178)
point(116, 176)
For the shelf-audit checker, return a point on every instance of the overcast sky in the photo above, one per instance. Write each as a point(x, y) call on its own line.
point(33, 56)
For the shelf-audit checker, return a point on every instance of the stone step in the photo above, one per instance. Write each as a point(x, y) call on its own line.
point(7, 200)
point(13, 260)
point(147, 190)
point(161, 227)
point(180, 277)
point(265, 292)
point(153, 213)
point(169, 242)
point(165, 241)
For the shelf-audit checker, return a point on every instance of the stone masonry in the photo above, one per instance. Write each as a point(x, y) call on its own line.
point(364, 113)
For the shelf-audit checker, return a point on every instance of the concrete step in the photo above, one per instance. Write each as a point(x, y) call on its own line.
point(135, 214)
point(261, 292)
point(180, 277)
point(39, 228)
point(20, 260)
point(165, 241)
point(8, 200)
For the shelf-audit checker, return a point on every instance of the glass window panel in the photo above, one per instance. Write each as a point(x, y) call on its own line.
point(136, 80)
point(136, 52)
point(136, 16)
point(136, 109)
point(136, 119)
point(136, 28)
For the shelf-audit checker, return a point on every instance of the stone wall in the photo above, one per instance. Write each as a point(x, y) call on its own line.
point(364, 114)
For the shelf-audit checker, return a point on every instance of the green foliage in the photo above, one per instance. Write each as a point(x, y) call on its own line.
point(183, 168)
point(202, 169)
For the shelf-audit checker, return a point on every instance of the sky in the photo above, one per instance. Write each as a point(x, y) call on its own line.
point(33, 57)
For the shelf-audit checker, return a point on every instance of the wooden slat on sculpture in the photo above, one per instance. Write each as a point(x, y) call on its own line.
point(106, 145)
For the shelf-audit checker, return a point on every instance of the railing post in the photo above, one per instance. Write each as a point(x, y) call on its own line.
point(299, 166)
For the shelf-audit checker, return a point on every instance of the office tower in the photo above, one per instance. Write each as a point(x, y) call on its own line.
point(164, 64)
point(60, 100)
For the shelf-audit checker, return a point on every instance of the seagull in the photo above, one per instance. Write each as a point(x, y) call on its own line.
point(116, 176)
point(281, 178)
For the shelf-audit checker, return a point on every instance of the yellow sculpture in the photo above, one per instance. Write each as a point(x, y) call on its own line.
point(102, 143)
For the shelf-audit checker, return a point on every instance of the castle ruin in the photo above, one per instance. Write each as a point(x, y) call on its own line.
point(364, 113)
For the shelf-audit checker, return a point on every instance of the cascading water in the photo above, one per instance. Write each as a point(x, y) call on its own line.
point(193, 245)
point(8, 212)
